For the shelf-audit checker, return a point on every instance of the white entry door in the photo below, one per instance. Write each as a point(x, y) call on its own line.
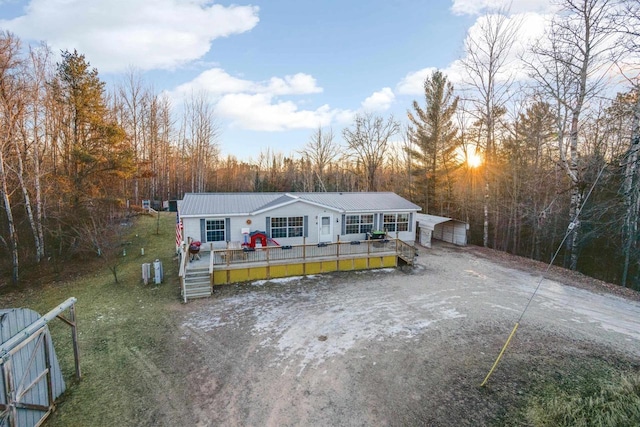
point(325, 228)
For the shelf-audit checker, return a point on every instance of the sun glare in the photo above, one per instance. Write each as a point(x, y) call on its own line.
point(471, 157)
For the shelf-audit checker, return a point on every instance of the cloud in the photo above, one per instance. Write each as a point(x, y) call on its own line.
point(217, 82)
point(256, 105)
point(413, 82)
point(477, 7)
point(379, 101)
point(299, 83)
point(147, 34)
point(530, 27)
point(262, 112)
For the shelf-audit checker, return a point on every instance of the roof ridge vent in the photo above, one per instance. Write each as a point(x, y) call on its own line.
point(292, 195)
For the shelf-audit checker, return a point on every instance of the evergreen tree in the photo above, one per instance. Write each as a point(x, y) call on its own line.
point(95, 154)
point(93, 145)
point(432, 147)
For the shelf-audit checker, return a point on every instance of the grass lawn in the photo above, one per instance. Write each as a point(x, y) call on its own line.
point(131, 366)
point(123, 330)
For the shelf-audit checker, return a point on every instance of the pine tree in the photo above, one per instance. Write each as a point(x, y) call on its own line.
point(94, 148)
point(432, 147)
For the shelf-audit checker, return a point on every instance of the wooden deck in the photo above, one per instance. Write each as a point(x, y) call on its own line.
point(235, 264)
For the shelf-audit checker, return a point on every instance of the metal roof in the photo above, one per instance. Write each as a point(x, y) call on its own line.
point(430, 221)
point(198, 204)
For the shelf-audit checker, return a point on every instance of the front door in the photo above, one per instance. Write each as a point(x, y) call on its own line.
point(325, 228)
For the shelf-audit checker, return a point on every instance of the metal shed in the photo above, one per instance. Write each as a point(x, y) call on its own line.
point(30, 377)
point(441, 228)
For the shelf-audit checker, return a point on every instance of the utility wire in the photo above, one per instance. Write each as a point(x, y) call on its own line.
point(570, 228)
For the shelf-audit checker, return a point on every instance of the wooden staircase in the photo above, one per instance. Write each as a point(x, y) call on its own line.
point(197, 283)
point(405, 252)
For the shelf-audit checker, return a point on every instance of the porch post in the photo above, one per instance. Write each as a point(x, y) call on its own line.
point(304, 255)
point(74, 339)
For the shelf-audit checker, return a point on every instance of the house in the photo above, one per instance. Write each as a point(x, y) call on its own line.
point(255, 236)
point(441, 228)
point(220, 219)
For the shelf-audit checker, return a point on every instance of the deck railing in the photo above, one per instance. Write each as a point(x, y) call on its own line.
point(406, 251)
point(235, 256)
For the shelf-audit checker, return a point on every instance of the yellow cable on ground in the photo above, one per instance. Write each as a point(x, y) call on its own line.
point(571, 227)
point(504, 347)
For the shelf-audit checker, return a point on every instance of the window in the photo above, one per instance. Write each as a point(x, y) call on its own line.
point(355, 224)
point(287, 227)
point(215, 230)
point(396, 222)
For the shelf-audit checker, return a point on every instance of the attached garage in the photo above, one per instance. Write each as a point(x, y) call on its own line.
point(441, 228)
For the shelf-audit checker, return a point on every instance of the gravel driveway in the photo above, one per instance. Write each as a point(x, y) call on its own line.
point(393, 347)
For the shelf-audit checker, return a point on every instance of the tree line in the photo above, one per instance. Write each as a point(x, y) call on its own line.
point(533, 167)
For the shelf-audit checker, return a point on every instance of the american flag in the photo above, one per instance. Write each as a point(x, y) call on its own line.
point(178, 231)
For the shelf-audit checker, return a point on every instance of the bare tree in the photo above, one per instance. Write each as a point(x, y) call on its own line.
point(629, 27)
point(487, 63)
point(35, 132)
point(631, 191)
point(321, 150)
point(200, 133)
point(570, 67)
point(12, 108)
point(131, 93)
point(628, 24)
point(368, 140)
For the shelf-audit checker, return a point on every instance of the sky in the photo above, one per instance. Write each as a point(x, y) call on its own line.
point(275, 70)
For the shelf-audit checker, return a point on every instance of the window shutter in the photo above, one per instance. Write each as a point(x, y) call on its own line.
point(410, 221)
point(267, 228)
point(344, 225)
point(305, 226)
point(227, 229)
point(203, 230)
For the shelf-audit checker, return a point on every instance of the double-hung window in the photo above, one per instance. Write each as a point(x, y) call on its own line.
point(396, 222)
point(287, 227)
point(356, 224)
point(215, 230)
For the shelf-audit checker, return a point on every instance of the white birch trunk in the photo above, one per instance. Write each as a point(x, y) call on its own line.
point(631, 196)
point(11, 228)
point(27, 201)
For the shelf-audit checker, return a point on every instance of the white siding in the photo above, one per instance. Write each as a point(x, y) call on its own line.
point(296, 209)
point(425, 237)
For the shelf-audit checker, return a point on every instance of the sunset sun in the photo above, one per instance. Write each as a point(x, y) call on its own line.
point(470, 156)
point(473, 159)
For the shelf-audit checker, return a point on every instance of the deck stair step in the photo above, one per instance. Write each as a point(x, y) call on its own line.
point(197, 283)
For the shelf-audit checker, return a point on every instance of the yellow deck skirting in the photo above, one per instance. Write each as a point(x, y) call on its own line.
point(223, 275)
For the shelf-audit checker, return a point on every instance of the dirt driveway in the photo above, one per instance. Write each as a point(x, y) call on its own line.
point(392, 347)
